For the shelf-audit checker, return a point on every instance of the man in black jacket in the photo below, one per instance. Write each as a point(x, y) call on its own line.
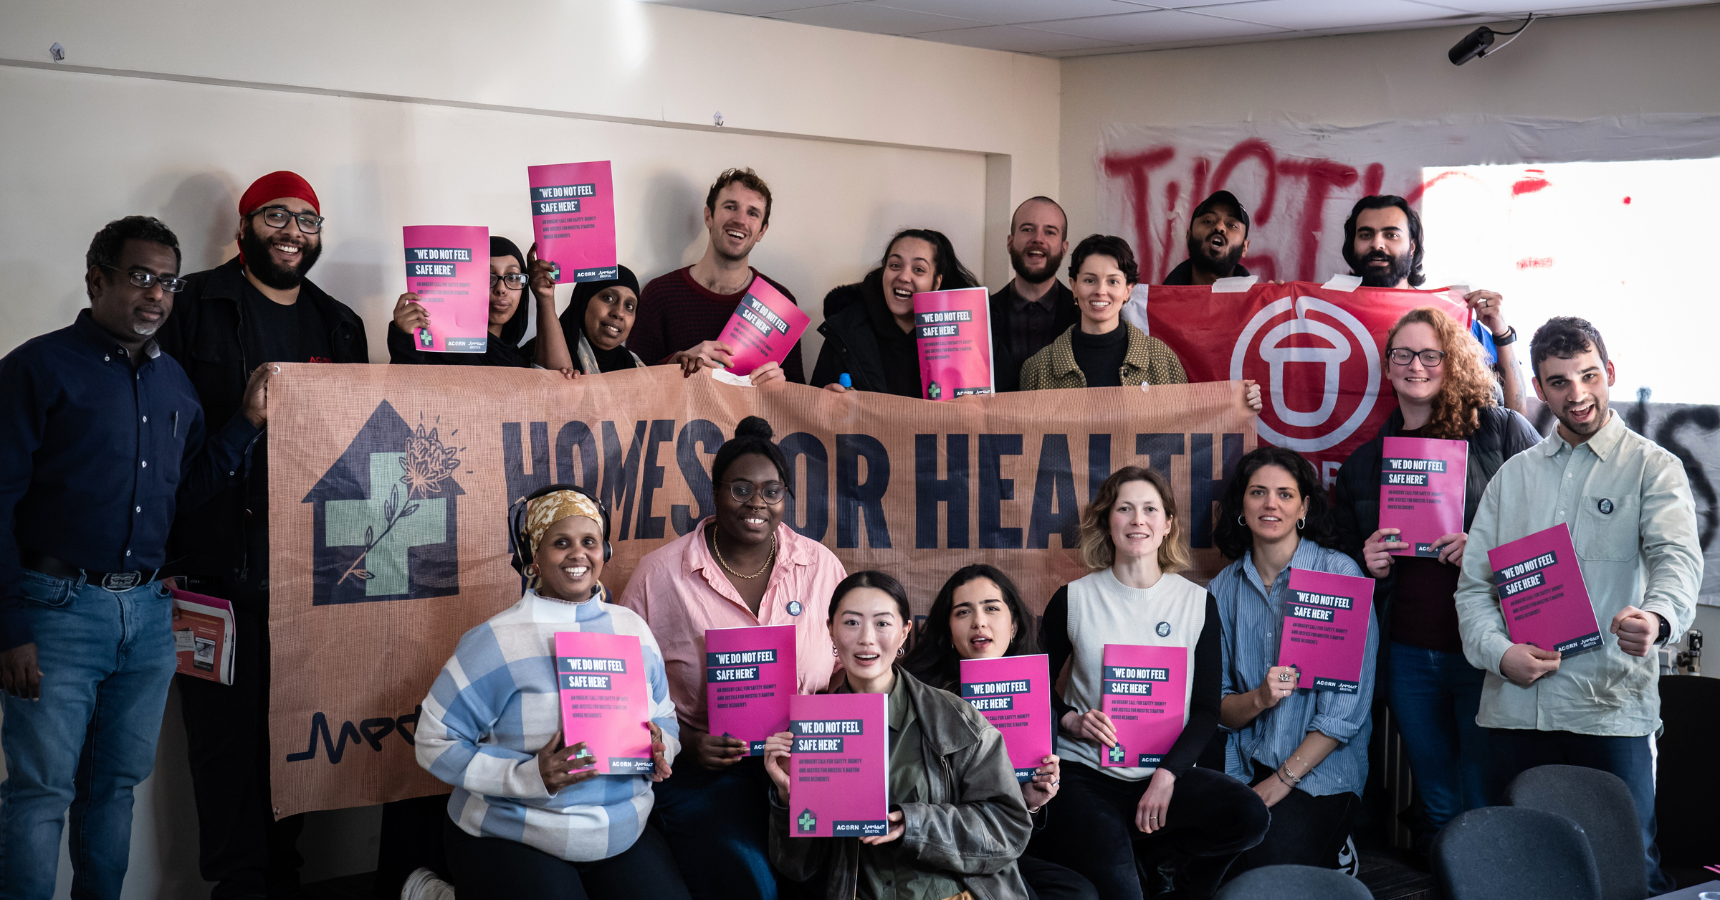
point(1034, 308)
point(256, 308)
point(1217, 239)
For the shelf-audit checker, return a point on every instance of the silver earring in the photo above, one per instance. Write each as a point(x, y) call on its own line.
point(1301, 522)
point(1239, 520)
point(835, 652)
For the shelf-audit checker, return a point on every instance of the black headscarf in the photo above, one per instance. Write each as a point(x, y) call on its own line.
point(573, 318)
point(515, 327)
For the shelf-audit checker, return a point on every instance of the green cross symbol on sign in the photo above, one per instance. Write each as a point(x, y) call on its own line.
point(807, 821)
point(346, 521)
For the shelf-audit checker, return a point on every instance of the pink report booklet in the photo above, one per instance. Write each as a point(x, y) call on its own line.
point(952, 330)
point(765, 327)
point(1145, 694)
point(448, 267)
point(1325, 633)
point(1014, 695)
point(1542, 594)
point(1422, 485)
point(839, 765)
point(573, 219)
point(605, 699)
point(749, 677)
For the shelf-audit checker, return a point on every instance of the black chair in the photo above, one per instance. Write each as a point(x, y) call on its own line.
point(1509, 851)
point(1294, 883)
point(1600, 803)
point(1689, 780)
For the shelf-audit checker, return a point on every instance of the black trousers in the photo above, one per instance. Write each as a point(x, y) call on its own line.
point(241, 847)
point(1306, 830)
point(1050, 881)
point(1211, 818)
point(499, 869)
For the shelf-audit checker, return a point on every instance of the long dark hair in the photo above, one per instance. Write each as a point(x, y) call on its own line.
point(934, 659)
point(1234, 538)
point(955, 274)
point(1385, 201)
point(880, 581)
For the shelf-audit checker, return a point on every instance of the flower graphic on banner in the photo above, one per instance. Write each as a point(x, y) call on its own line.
point(427, 463)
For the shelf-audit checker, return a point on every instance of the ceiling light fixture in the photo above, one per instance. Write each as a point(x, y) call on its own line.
point(1477, 43)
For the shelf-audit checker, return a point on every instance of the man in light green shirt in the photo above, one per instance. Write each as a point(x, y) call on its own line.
point(1628, 505)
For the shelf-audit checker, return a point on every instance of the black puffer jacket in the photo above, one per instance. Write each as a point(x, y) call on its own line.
point(853, 314)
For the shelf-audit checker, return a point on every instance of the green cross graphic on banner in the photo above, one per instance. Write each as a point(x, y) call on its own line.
point(807, 821)
point(387, 561)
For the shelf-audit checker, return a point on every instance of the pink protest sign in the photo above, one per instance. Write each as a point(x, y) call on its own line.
point(573, 219)
point(1542, 594)
point(839, 766)
point(749, 676)
point(605, 699)
point(953, 332)
point(1421, 490)
point(1014, 695)
point(1325, 634)
point(763, 329)
point(448, 267)
point(1146, 696)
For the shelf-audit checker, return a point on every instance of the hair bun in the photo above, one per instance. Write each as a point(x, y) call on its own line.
point(754, 426)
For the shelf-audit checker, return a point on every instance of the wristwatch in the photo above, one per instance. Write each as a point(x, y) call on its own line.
point(1665, 630)
point(1509, 337)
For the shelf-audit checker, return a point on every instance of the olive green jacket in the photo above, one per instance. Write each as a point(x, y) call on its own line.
point(1149, 361)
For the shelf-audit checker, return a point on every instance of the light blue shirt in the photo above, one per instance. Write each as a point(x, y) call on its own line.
point(1252, 620)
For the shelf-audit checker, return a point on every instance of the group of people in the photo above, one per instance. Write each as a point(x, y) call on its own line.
point(1262, 773)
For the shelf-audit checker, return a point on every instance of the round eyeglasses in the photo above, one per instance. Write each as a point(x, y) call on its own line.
point(742, 491)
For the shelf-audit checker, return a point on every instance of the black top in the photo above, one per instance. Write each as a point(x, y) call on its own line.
point(1101, 356)
point(862, 338)
point(282, 334)
point(611, 360)
point(1020, 329)
point(1204, 695)
point(98, 457)
point(1184, 273)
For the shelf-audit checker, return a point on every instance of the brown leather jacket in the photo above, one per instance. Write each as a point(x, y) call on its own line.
point(974, 828)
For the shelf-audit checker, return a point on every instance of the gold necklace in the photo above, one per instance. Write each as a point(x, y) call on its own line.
point(724, 563)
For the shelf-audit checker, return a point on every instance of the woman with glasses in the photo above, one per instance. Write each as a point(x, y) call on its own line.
point(1444, 391)
point(738, 566)
point(509, 276)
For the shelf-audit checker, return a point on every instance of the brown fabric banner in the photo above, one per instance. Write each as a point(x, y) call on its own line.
point(389, 488)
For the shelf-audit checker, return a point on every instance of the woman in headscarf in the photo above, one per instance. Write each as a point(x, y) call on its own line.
point(594, 327)
point(530, 816)
point(509, 275)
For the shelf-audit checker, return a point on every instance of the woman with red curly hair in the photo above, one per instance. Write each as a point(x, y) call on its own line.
point(1444, 391)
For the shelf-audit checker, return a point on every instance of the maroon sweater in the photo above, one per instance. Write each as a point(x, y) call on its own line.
point(676, 312)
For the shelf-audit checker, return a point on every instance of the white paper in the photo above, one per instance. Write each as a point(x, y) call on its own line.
point(727, 377)
point(1235, 285)
point(1344, 283)
point(183, 641)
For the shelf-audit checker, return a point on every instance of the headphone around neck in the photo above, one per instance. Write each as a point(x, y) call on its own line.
point(519, 543)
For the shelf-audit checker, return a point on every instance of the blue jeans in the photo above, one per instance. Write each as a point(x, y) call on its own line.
point(106, 659)
point(1516, 751)
point(1434, 696)
point(716, 824)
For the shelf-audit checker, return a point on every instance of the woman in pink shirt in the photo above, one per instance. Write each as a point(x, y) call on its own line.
point(739, 567)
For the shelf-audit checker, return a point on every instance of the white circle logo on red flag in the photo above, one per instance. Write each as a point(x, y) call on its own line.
point(1306, 348)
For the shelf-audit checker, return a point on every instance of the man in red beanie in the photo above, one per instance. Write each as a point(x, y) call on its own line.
point(256, 308)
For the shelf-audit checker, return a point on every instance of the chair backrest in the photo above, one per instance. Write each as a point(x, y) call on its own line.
point(1294, 883)
point(1600, 803)
point(1689, 780)
point(1509, 851)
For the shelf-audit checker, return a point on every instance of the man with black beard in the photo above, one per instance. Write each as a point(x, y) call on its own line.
point(256, 308)
point(1217, 239)
point(1382, 244)
point(1034, 308)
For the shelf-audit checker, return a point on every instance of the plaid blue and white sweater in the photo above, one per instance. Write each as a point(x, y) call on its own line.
point(495, 705)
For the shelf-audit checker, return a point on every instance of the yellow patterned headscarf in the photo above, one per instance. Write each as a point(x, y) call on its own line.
point(552, 508)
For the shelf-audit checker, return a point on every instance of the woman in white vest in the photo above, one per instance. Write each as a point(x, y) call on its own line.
point(1182, 824)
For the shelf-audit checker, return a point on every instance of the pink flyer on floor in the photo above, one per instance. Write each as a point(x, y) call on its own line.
point(1146, 696)
point(839, 766)
point(1542, 593)
point(1014, 695)
point(953, 332)
point(605, 699)
point(1325, 634)
point(573, 219)
point(1422, 485)
point(448, 267)
point(749, 676)
point(765, 326)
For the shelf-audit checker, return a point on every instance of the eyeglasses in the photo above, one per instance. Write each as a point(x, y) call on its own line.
point(1401, 356)
point(742, 491)
point(515, 280)
point(147, 280)
point(277, 216)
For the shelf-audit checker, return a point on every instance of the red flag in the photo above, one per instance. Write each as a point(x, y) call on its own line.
point(1315, 351)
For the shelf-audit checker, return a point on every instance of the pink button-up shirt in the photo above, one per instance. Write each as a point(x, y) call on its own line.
point(681, 591)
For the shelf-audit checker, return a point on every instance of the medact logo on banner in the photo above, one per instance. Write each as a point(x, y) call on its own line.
point(1306, 348)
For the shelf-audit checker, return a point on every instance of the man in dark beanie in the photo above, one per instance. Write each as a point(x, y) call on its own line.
point(1217, 238)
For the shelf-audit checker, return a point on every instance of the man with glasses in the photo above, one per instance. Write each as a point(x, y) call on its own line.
point(256, 308)
point(101, 439)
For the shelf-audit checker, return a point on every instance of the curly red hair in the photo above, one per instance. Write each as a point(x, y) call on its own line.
point(1468, 384)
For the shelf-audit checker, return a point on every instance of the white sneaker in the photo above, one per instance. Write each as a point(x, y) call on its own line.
point(423, 884)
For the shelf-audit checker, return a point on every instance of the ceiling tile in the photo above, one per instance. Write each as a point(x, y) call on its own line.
point(866, 16)
point(1155, 27)
point(1019, 40)
point(745, 7)
point(1308, 14)
point(1520, 10)
point(1014, 12)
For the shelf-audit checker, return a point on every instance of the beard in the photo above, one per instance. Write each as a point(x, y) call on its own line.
point(258, 261)
point(1018, 262)
point(1396, 270)
point(1200, 257)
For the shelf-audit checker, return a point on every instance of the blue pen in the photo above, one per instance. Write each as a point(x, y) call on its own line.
point(845, 381)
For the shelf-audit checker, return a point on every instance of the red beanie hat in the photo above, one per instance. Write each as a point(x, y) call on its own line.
point(275, 185)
